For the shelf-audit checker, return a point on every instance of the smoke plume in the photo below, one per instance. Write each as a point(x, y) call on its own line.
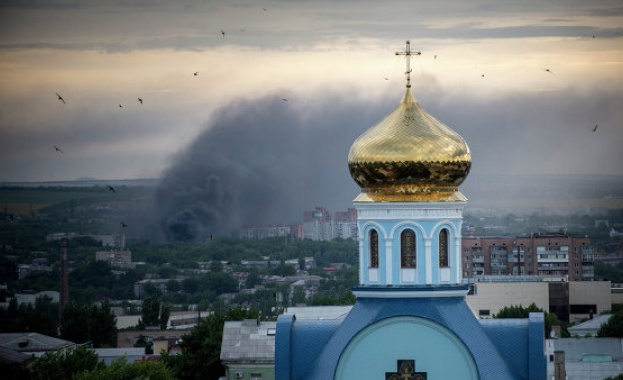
point(261, 162)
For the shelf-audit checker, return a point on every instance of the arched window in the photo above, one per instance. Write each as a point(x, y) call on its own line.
point(407, 249)
point(443, 247)
point(374, 249)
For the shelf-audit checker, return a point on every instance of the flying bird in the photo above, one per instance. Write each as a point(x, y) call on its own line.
point(140, 101)
point(58, 149)
point(264, 9)
point(196, 73)
point(123, 225)
point(386, 78)
point(223, 33)
point(60, 98)
point(483, 75)
point(120, 106)
point(435, 56)
point(595, 128)
point(110, 188)
point(549, 71)
point(284, 99)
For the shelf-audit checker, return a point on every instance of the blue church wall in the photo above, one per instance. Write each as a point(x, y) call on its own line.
point(528, 333)
point(375, 349)
point(313, 356)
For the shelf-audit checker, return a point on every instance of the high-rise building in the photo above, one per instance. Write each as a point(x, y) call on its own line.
point(551, 255)
point(319, 225)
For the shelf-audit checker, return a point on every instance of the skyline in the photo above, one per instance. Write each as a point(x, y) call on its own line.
point(246, 108)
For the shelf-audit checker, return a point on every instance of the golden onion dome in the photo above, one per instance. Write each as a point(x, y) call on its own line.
point(409, 157)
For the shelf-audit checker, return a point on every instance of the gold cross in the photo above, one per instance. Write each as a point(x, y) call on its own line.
point(408, 53)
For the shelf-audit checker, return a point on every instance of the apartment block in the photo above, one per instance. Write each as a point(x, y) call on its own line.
point(549, 255)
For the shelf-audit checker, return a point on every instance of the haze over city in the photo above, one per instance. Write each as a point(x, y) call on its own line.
point(245, 103)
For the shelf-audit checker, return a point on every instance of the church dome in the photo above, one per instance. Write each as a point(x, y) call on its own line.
point(409, 156)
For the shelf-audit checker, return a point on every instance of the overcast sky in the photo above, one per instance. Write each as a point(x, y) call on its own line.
point(524, 82)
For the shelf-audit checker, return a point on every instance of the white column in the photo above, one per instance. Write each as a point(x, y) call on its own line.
point(428, 252)
point(389, 255)
point(457, 259)
point(362, 263)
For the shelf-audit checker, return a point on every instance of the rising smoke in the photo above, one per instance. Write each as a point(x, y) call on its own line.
point(261, 162)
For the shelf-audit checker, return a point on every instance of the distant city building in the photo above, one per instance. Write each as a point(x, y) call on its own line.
point(118, 259)
point(319, 225)
point(260, 264)
point(589, 328)
point(294, 231)
point(248, 349)
point(550, 255)
point(571, 301)
point(29, 297)
point(585, 358)
point(37, 265)
point(35, 344)
point(114, 240)
point(160, 283)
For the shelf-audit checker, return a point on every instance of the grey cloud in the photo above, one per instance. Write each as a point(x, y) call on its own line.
point(607, 12)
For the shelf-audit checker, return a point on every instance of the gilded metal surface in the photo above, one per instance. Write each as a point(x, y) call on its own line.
point(409, 156)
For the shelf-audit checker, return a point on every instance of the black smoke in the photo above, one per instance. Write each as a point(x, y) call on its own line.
point(261, 162)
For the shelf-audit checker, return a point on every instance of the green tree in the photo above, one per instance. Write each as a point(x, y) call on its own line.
point(165, 313)
point(252, 279)
point(95, 323)
point(103, 326)
point(216, 266)
point(65, 366)
point(613, 327)
point(518, 311)
point(120, 369)
point(173, 286)
point(145, 341)
point(298, 296)
point(151, 291)
point(150, 312)
point(201, 349)
point(41, 318)
point(154, 313)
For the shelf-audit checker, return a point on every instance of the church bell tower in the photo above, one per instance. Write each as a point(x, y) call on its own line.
point(409, 211)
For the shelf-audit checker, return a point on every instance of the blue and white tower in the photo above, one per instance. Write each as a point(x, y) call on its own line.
point(410, 319)
point(409, 167)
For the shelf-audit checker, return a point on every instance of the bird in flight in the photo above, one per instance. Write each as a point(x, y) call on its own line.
point(223, 33)
point(140, 101)
point(435, 56)
point(120, 106)
point(284, 99)
point(123, 225)
point(386, 78)
point(483, 75)
point(595, 128)
point(549, 71)
point(58, 149)
point(110, 188)
point(196, 73)
point(60, 98)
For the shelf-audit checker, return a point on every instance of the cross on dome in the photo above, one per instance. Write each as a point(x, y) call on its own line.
point(408, 53)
